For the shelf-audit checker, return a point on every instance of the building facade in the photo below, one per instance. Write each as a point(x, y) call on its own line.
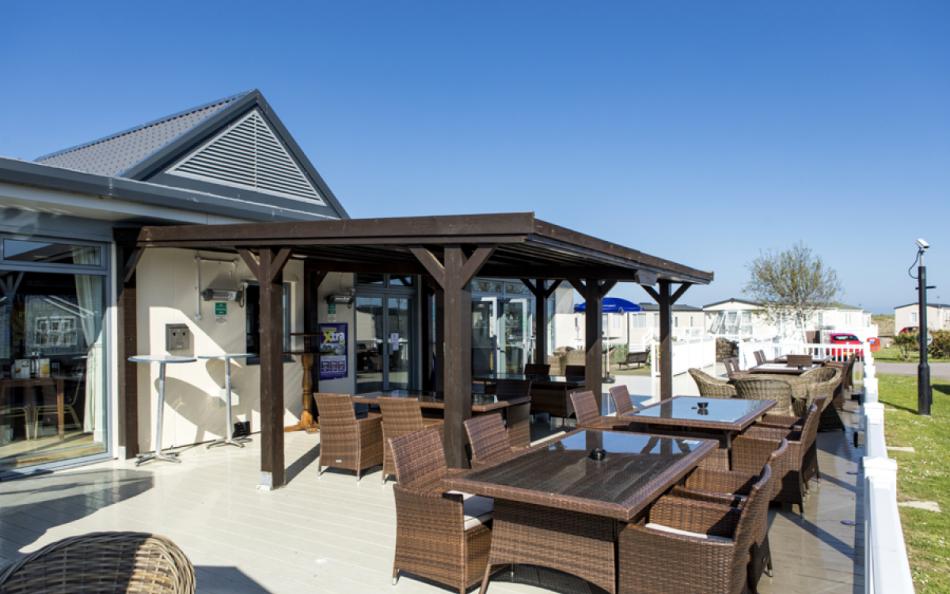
point(907, 316)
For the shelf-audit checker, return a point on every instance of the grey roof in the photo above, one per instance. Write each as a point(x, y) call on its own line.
point(652, 306)
point(937, 305)
point(117, 154)
point(746, 301)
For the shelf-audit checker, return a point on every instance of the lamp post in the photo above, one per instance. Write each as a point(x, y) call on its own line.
point(924, 391)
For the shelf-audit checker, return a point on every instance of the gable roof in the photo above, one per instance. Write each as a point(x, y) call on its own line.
point(653, 306)
point(115, 155)
point(936, 305)
point(148, 152)
point(732, 300)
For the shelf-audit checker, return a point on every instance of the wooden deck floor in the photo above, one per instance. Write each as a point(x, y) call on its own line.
point(331, 534)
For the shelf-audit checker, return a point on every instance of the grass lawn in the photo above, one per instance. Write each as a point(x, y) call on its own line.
point(923, 475)
point(892, 355)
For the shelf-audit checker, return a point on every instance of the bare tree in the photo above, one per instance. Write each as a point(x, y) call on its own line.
point(792, 284)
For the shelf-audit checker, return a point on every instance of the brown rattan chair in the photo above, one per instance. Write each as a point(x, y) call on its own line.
point(731, 487)
point(400, 417)
point(689, 546)
point(575, 371)
point(132, 562)
point(585, 407)
point(537, 369)
point(621, 397)
point(802, 458)
point(732, 367)
point(345, 441)
point(489, 440)
point(766, 388)
point(759, 357)
point(441, 535)
point(712, 387)
point(828, 386)
point(810, 468)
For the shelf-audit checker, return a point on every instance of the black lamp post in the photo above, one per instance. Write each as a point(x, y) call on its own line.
point(924, 391)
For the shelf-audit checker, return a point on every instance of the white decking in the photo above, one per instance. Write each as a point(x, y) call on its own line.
point(331, 534)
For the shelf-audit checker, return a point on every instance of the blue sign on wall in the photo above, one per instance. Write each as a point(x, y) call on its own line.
point(333, 355)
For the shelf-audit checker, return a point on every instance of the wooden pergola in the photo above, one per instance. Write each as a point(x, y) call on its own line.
point(449, 251)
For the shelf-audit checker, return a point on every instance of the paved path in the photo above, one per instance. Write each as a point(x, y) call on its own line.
point(941, 370)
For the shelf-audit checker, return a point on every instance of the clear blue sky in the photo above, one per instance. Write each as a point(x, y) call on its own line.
point(699, 131)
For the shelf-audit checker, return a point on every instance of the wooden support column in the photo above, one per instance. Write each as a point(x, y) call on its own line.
point(666, 298)
point(541, 294)
point(593, 291)
point(127, 257)
point(313, 276)
point(269, 272)
point(453, 275)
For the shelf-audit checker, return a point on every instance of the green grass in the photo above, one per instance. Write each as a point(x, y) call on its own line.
point(642, 370)
point(923, 475)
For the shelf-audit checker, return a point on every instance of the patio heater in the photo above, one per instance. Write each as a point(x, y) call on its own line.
point(924, 390)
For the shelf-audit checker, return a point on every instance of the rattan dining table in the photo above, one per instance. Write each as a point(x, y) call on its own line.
point(557, 506)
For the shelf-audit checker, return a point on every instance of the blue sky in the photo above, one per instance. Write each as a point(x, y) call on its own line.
point(704, 132)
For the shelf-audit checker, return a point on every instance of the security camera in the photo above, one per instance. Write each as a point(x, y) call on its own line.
point(922, 243)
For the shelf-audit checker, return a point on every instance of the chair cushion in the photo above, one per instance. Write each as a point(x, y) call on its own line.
point(475, 508)
point(677, 531)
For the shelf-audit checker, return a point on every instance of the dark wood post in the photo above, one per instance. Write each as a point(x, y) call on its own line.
point(593, 290)
point(127, 256)
point(541, 293)
point(665, 298)
point(453, 274)
point(312, 279)
point(269, 272)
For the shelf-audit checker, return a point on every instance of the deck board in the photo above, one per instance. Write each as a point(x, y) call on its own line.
point(333, 534)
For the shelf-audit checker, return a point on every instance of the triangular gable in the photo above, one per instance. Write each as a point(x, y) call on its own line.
point(248, 154)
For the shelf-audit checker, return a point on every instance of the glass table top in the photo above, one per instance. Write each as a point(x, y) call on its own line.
point(521, 376)
point(631, 464)
point(721, 410)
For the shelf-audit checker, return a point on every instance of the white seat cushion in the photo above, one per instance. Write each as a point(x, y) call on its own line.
point(671, 530)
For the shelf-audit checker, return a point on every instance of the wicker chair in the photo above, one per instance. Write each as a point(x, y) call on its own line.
point(400, 417)
point(750, 455)
point(441, 536)
point(802, 459)
point(585, 407)
point(825, 385)
point(759, 357)
point(689, 546)
point(758, 388)
point(345, 441)
point(712, 387)
point(537, 369)
point(489, 440)
point(573, 371)
point(732, 367)
point(621, 397)
point(810, 468)
point(132, 562)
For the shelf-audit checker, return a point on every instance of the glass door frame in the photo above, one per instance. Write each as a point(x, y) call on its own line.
point(384, 292)
point(106, 271)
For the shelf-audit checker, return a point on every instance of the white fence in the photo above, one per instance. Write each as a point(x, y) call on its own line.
point(694, 352)
point(887, 570)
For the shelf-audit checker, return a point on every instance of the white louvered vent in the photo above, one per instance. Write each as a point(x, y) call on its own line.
point(249, 155)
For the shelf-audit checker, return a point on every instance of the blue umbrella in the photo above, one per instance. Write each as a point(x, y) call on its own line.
point(611, 305)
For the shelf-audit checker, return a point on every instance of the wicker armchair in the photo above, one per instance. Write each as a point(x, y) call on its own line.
point(537, 369)
point(712, 387)
point(810, 468)
point(489, 440)
point(401, 416)
point(759, 357)
point(750, 455)
point(585, 407)
point(758, 388)
point(440, 536)
point(802, 464)
point(621, 397)
point(345, 441)
point(732, 367)
point(132, 562)
point(709, 542)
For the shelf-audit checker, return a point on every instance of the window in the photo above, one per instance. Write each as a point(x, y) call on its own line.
point(50, 252)
point(252, 321)
point(913, 317)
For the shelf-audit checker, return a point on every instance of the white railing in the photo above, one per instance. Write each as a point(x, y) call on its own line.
point(887, 570)
point(773, 349)
point(696, 352)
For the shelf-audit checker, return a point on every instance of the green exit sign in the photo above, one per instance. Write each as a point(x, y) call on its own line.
point(220, 309)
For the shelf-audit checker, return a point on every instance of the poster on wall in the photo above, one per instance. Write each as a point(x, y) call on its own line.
point(333, 351)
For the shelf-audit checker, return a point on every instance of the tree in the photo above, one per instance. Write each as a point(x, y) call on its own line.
point(792, 284)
